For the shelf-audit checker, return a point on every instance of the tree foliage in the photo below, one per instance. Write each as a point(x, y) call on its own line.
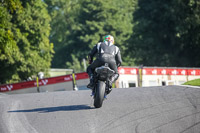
point(24, 42)
point(152, 33)
point(82, 24)
point(166, 33)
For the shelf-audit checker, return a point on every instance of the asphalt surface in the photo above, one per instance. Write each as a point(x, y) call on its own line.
point(169, 109)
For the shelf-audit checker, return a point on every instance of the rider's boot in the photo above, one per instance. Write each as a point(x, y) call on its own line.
point(91, 84)
point(109, 89)
point(112, 80)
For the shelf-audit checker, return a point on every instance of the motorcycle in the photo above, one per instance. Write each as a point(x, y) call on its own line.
point(101, 84)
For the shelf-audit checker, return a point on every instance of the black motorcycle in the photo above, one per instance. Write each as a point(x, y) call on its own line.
point(102, 86)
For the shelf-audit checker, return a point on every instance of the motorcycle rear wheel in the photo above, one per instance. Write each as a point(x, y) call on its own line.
point(99, 94)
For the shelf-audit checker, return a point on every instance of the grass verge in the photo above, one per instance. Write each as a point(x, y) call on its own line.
point(195, 82)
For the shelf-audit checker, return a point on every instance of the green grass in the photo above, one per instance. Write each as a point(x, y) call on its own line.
point(195, 82)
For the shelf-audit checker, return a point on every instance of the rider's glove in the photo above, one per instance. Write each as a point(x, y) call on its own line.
point(90, 60)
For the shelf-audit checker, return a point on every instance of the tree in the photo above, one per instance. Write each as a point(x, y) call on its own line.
point(33, 39)
point(82, 24)
point(63, 20)
point(9, 51)
point(25, 44)
point(188, 32)
point(166, 33)
point(75, 64)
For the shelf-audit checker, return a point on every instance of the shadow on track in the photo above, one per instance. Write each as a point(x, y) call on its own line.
point(55, 109)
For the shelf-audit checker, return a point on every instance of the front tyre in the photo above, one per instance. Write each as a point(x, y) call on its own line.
point(99, 94)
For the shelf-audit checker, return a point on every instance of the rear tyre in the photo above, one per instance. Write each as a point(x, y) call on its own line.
point(99, 94)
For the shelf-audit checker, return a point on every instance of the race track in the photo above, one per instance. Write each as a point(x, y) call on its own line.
point(167, 109)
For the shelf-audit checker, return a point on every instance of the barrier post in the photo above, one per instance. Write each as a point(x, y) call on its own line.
point(140, 76)
point(37, 81)
point(75, 88)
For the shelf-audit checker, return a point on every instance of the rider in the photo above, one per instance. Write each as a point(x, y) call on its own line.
point(107, 53)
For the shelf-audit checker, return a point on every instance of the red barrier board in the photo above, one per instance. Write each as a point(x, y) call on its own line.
point(29, 84)
point(79, 76)
point(84, 75)
point(160, 71)
point(125, 70)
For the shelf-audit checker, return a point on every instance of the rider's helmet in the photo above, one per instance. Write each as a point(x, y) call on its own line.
point(109, 39)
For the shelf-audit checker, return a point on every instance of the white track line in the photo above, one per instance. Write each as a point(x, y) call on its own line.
point(189, 86)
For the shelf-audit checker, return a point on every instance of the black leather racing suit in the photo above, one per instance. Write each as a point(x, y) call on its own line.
point(107, 53)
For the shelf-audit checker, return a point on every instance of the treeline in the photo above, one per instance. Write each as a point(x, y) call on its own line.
point(152, 33)
point(77, 25)
point(166, 33)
